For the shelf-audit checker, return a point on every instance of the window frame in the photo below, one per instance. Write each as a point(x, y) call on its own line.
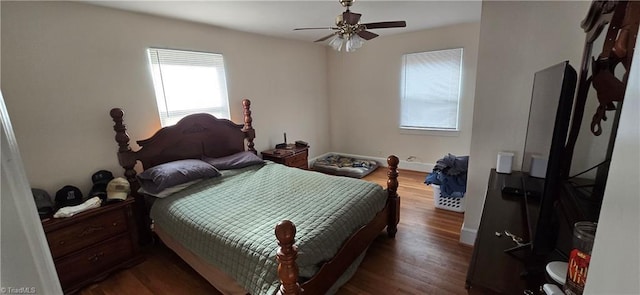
point(169, 117)
point(431, 130)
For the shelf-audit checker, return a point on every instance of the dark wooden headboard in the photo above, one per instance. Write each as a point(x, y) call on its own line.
point(192, 137)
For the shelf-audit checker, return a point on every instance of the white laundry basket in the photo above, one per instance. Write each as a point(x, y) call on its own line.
point(447, 203)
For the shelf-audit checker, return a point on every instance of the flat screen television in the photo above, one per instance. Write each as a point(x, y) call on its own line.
point(544, 151)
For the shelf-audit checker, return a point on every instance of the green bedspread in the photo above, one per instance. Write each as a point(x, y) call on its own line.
point(229, 221)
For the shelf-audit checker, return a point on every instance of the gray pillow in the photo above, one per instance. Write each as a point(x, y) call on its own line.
point(235, 161)
point(158, 178)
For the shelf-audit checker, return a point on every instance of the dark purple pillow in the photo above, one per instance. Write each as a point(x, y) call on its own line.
point(158, 178)
point(235, 161)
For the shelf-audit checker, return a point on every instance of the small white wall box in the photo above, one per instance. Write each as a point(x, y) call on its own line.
point(538, 166)
point(447, 203)
point(505, 161)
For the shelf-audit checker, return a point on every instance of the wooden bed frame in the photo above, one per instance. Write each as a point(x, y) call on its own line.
point(204, 135)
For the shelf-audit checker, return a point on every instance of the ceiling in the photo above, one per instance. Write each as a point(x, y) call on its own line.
point(279, 18)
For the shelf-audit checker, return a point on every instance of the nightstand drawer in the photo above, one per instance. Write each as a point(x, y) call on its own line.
point(86, 232)
point(93, 260)
point(299, 161)
point(292, 156)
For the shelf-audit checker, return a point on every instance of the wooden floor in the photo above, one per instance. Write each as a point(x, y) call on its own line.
point(424, 258)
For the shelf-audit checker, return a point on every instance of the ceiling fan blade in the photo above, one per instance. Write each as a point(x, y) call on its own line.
point(383, 25)
point(367, 35)
point(350, 17)
point(326, 37)
point(322, 28)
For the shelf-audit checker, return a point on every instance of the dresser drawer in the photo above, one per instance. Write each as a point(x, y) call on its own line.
point(86, 232)
point(93, 260)
point(299, 160)
point(292, 156)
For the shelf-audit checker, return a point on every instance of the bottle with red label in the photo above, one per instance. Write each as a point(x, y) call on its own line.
point(584, 233)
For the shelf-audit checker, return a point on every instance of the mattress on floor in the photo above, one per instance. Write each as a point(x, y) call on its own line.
point(337, 164)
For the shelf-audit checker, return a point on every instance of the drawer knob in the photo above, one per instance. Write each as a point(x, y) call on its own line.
point(61, 242)
point(115, 224)
point(95, 257)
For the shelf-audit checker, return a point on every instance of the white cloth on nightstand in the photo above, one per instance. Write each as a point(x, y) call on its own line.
point(72, 210)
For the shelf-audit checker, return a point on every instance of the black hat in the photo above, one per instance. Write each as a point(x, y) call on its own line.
point(68, 196)
point(100, 180)
point(44, 203)
point(102, 177)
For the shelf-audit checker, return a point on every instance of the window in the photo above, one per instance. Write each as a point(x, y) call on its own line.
point(188, 82)
point(431, 90)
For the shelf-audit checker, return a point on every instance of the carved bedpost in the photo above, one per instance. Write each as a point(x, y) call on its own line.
point(287, 254)
point(128, 161)
point(248, 128)
point(122, 138)
point(392, 197)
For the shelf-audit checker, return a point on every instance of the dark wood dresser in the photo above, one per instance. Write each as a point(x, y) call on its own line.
point(292, 156)
point(492, 270)
point(90, 245)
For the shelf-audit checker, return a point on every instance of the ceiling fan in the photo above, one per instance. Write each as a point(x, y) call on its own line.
point(349, 32)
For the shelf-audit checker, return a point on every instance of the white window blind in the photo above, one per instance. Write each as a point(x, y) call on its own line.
point(430, 93)
point(188, 82)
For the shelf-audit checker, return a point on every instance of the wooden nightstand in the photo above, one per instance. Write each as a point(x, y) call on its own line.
point(292, 156)
point(90, 245)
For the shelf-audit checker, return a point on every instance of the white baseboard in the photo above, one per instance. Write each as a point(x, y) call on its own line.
point(468, 235)
point(415, 166)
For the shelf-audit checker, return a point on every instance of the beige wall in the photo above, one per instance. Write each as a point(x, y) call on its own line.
point(365, 96)
point(516, 40)
point(65, 65)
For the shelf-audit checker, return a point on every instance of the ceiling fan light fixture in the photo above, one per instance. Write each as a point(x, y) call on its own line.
point(346, 41)
point(356, 41)
point(336, 42)
point(349, 33)
point(348, 46)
